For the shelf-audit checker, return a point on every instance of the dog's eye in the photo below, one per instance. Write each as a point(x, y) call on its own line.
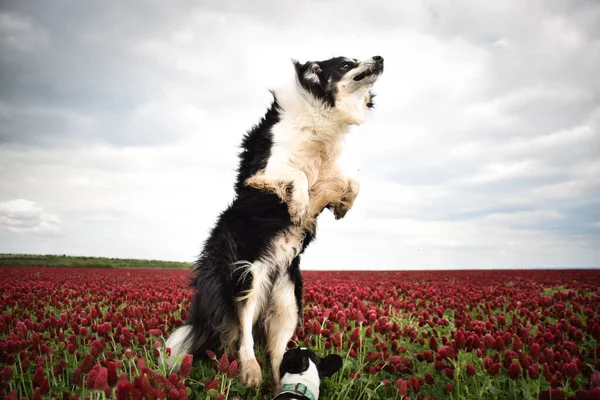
point(345, 66)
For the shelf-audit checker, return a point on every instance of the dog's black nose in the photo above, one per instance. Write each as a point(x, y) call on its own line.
point(378, 59)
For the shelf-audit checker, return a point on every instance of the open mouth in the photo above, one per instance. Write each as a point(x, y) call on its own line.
point(373, 70)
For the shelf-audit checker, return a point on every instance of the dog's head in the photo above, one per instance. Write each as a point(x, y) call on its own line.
point(342, 83)
point(301, 370)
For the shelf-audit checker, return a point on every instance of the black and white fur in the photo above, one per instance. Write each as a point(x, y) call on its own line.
point(303, 366)
point(247, 277)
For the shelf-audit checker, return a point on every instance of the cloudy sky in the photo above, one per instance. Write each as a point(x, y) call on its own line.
point(120, 124)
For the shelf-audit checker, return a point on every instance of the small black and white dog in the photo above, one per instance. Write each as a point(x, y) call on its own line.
point(301, 373)
point(247, 277)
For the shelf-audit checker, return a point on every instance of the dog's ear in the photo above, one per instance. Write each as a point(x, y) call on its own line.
point(293, 362)
point(308, 71)
point(330, 365)
point(313, 67)
point(312, 73)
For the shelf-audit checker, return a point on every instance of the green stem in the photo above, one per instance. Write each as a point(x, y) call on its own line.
point(50, 372)
point(222, 382)
point(146, 353)
point(363, 391)
point(457, 379)
point(21, 376)
point(341, 373)
point(228, 388)
point(347, 390)
point(514, 390)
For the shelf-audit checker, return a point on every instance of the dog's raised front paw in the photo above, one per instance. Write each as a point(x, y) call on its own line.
point(250, 373)
point(341, 208)
point(339, 211)
point(298, 206)
point(257, 181)
point(351, 191)
point(298, 213)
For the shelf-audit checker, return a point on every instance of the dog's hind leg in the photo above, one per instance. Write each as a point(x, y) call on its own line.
point(282, 315)
point(281, 321)
point(249, 309)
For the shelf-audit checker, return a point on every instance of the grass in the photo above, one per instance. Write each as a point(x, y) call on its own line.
point(550, 291)
point(49, 260)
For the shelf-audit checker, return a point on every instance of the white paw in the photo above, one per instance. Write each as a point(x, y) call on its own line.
point(347, 200)
point(353, 188)
point(299, 205)
point(250, 373)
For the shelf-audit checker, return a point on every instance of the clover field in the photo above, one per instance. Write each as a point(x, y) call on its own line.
point(99, 333)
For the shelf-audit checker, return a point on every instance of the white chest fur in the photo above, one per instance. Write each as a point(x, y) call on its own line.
point(307, 142)
point(308, 137)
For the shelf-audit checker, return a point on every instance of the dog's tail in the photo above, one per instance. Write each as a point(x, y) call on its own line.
point(179, 343)
point(214, 331)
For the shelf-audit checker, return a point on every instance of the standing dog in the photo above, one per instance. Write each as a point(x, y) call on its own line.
point(247, 278)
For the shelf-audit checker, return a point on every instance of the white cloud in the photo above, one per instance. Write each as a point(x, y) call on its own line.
point(23, 216)
point(482, 151)
point(18, 33)
point(481, 243)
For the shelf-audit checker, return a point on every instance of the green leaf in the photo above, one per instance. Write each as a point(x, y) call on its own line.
point(212, 393)
point(241, 389)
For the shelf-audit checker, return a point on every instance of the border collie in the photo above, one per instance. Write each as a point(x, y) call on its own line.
point(247, 277)
point(301, 372)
